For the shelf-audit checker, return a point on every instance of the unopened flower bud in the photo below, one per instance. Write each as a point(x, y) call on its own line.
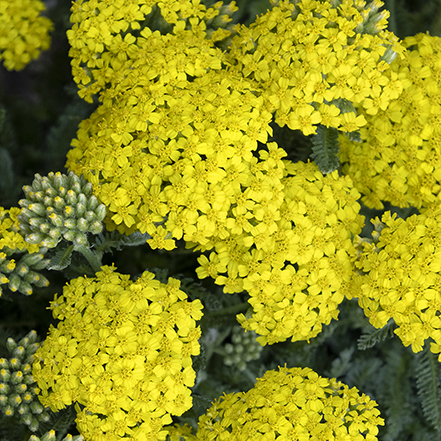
point(82, 199)
point(37, 208)
point(96, 227)
point(25, 288)
point(80, 239)
point(71, 197)
point(100, 212)
point(82, 224)
point(80, 209)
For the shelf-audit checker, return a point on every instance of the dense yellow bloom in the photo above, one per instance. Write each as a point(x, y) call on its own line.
point(398, 159)
point(294, 257)
point(24, 33)
point(400, 277)
point(289, 405)
point(122, 352)
point(309, 55)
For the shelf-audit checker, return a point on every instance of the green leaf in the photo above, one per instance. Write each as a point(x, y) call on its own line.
point(370, 339)
point(62, 257)
point(428, 386)
point(325, 149)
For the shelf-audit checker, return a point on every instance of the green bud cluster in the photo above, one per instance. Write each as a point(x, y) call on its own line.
point(51, 436)
point(21, 275)
point(243, 348)
point(18, 390)
point(60, 207)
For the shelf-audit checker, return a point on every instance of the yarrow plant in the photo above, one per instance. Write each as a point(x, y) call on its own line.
point(251, 156)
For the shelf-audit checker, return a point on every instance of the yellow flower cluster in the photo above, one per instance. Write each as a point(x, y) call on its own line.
point(400, 277)
point(112, 53)
point(313, 58)
point(171, 152)
point(24, 33)
point(399, 158)
point(19, 275)
point(293, 260)
point(292, 405)
point(122, 351)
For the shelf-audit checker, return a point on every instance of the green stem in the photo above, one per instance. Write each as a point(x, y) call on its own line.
point(94, 258)
point(233, 309)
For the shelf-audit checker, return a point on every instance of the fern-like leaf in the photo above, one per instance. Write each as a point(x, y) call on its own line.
point(105, 242)
point(62, 258)
point(325, 149)
point(375, 336)
point(428, 385)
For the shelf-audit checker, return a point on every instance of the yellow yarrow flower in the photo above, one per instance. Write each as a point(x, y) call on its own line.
point(398, 159)
point(399, 277)
point(293, 254)
point(292, 404)
point(307, 56)
point(24, 33)
point(122, 352)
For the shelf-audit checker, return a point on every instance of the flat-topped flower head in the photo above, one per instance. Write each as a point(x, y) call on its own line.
point(24, 33)
point(399, 157)
point(293, 255)
point(307, 56)
point(122, 352)
point(399, 277)
point(292, 404)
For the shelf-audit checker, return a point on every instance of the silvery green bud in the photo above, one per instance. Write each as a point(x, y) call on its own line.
point(3, 400)
point(33, 427)
point(5, 375)
point(96, 227)
point(93, 203)
point(37, 208)
point(55, 233)
point(70, 224)
point(11, 344)
point(57, 220)
point(36, 408)
point(34, 238)
point(100, 212)
point(50, 242)
point(76, 187)
point(32, 259)
point(14, 400)
point(25, 288)
point(28, 379)
point(80, 239)
point(82, 199)
point(80, 209)
point(14, 282)
point(60, 180)
point(8, 411)
point(4, 388)
point(4, 363)
point(16, 377)
point(71, 197)
point(19, 351)
point(82, 224)
point(26, 417)
point(21, 269)
point(21, 389)
point(45, 417)
point(70, 235)
point(90, 216)
point(45, 227)
point(59, 203)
